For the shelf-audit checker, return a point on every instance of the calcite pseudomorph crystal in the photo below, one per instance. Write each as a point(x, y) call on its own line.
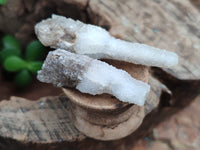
point(88, 75)
point(96, 42)
point(83, 71)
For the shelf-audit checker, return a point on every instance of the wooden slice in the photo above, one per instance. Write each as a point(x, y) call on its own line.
point(163, 24)
point(103, 116)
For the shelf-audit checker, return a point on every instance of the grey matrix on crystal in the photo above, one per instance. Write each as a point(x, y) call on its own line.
point(96, 42)
point(65, 69)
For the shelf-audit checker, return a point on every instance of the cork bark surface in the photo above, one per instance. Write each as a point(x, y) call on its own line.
point(171, 25)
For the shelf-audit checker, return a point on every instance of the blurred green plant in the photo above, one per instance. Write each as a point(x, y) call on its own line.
point(12, 60)
point(3, 2)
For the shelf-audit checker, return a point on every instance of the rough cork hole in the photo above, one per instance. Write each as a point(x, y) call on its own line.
point(24, 31)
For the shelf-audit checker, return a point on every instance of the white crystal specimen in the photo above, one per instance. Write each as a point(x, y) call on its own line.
point(94, 41)
point(91, 76)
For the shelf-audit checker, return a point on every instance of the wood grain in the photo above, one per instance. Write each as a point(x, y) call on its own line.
point(171, 25)
point(37, 121)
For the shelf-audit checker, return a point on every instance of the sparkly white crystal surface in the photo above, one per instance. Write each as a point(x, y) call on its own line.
point(96, 42)
point(91, 76)
point(104, 78)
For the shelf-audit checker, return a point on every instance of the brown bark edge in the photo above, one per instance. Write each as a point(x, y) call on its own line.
point(44, 124)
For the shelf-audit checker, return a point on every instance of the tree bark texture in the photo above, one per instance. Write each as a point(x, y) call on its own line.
point(171, 25)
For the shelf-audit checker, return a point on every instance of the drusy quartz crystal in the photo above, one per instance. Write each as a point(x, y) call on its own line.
point(96, 42)
point(75, 63)
point(65, 69)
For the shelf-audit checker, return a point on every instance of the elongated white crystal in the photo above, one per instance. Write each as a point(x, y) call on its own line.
point(91, 76)
point(94, 41)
